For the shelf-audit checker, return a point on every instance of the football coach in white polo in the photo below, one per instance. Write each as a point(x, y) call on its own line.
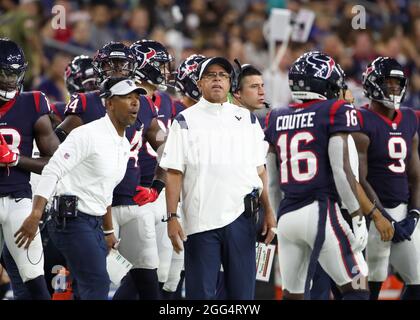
point(214, 157)
point(83, 172)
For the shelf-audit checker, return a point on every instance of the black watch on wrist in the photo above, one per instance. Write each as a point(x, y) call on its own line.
point(169, 216)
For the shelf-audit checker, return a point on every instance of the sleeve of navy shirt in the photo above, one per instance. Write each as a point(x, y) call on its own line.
point(343, 117)
point(147, 161)
point(42, 106)
point(58, 108)
point(87, 106)
point(165, 107)
point(146, 113)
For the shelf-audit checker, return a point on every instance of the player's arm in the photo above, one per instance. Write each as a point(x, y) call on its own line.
point(345, 183)
point(156, 137)
point(343, 175)
point(413, 171)
point(362, 142)
point(75, 108)
point(409, 223)
point(47, 143)
point(383, 225)
point(69, 123)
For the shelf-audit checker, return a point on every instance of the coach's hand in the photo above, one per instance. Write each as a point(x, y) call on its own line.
point(383, 225)
point(145, 195)
point(176, 234)
point(269, 226)
point(111, 241)
point(28, 230)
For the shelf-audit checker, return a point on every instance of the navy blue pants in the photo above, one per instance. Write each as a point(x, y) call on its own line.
point(232, 246)
point(20, 292)
point(82, 243)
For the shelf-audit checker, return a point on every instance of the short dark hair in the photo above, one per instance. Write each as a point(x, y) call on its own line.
point(246, 71)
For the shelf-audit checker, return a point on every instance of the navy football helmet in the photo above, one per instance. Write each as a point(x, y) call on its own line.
point(314, 75)
point(186, 76)
point(79, 75)
point(376, 87)
point(153, 62)
point(12, 69)
point(114, 59)
point(238, 68)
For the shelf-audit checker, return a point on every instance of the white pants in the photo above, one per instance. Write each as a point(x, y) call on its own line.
point(296, 235)
point(170, 262)
point(403, 256)
point(12, 214)
point(135, 226)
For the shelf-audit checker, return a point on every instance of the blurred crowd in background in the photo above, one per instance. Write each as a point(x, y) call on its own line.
point(230, 28)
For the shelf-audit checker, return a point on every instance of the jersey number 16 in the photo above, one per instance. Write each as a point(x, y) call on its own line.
point(291, 158)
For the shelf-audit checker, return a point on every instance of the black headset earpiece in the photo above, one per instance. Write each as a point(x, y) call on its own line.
point(237, 69)
point(104, 91)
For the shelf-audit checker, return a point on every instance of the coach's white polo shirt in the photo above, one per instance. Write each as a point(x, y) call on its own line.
point(89, 164)
point(218, 148)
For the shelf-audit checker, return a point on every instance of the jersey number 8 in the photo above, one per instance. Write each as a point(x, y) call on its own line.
point(15, 138)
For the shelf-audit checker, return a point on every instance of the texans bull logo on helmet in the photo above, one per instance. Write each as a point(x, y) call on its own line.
point(189, 67)
point(324, 64)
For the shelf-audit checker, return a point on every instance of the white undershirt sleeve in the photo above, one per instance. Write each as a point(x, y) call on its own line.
point(336, 156)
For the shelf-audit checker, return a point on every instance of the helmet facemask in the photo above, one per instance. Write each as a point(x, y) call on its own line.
point(384, 81)
point(10, 82)
point(387, 92)
point(117, 67)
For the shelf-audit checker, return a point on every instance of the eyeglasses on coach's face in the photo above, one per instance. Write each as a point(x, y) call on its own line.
point(213, 75)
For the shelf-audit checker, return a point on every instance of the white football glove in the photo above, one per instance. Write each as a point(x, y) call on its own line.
point(360, 233)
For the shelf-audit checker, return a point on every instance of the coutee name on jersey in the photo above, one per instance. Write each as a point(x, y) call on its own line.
point(295, 121)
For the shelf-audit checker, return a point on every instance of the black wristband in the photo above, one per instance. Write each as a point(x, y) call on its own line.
point(170, 216)
point(61, 134)
point(158, 185)
point(372, 210)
